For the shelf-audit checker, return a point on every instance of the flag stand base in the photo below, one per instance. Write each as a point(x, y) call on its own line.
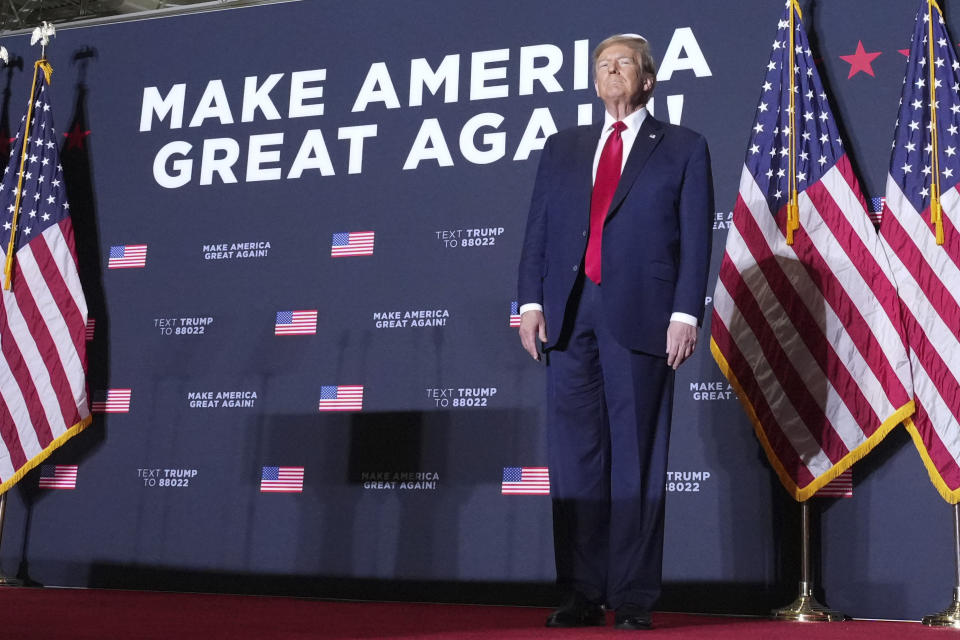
point(950, 617)
point(5, 580)
point(806, 608)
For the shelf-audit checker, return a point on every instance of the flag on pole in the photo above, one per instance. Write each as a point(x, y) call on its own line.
point(924, 172)
point(43, 314)
point(806, 323)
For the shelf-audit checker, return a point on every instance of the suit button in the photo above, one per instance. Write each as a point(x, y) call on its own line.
point(575, 267)
point(584, 234)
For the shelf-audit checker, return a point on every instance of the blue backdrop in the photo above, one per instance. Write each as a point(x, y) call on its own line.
point(236, 144)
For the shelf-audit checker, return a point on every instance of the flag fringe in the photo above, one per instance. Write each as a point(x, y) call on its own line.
point(950, 495)
point(43, 455)
point(801, 494)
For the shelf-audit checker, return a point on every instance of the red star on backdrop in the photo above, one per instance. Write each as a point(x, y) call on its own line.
point(860, 60)
point(76, 136)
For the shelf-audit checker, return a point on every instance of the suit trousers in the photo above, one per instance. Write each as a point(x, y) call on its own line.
point(608, 432)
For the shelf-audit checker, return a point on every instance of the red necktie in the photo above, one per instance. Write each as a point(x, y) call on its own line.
point(608, 175)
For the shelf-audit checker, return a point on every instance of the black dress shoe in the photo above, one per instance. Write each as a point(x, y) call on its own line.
point(577, 612)
point(633, 620)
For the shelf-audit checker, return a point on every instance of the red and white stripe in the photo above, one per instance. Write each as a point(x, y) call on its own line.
point(839, 487)
point(289, 480)
point(349, 398)
point(811, 333)
point(64, 477)
point(134, 257)
point(115, 401)
point(534, 481)
point(301, 323)
point(361, 244)
point(42, 343)
point(928, 279)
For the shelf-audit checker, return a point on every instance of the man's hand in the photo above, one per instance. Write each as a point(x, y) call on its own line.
point(532, 326)
point(681, 341)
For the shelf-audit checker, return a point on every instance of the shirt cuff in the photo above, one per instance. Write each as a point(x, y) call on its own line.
point(530, 306)
point(677, 316)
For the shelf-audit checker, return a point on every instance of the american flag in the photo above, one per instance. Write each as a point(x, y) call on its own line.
point(281, 480)
point(927, 274)
point(839, 487)
point(91, 328)
point(808, 334)
point(295, 323)
point(876, 209)
point(127, 256)
point(58, 476)
point(354, 243)
point(341, 398)
point(112, 401)
point(43, 399)
point(514, 314)
point(525, 481)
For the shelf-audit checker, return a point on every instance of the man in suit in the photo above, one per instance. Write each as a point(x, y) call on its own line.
point(612, 281)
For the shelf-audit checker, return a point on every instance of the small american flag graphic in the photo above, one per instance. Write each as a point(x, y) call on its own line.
point(514, 314)
point(111, 401)
point(525, 481)
point(876, 210)
point(58, 476)
point(127, 256)
point(839, 487)
point(295, 323)
point(91, 327)
point(281, 480)
point(353, 243)
point(341, 398)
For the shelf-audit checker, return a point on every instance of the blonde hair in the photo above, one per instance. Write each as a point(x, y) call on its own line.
point(641, 51)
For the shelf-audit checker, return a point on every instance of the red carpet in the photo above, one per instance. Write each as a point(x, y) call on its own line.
point(52, 614)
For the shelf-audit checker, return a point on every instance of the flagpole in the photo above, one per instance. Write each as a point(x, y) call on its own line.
point(793, 206)
point(806, 608)
point(5, 580)
point(42, 35)
point(936, 211)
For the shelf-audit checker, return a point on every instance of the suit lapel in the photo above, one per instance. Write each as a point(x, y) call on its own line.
point(586, 152)
point(583, 171)
point(649, 136)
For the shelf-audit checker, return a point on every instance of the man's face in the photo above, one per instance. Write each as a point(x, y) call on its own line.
point(619, 76)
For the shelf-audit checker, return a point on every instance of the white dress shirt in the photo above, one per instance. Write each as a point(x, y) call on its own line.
point(628, 136)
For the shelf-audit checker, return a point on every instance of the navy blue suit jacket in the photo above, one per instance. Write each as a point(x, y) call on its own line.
point(656, 239)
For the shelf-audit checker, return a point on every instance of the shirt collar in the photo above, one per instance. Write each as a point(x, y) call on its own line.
point(633, 121)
